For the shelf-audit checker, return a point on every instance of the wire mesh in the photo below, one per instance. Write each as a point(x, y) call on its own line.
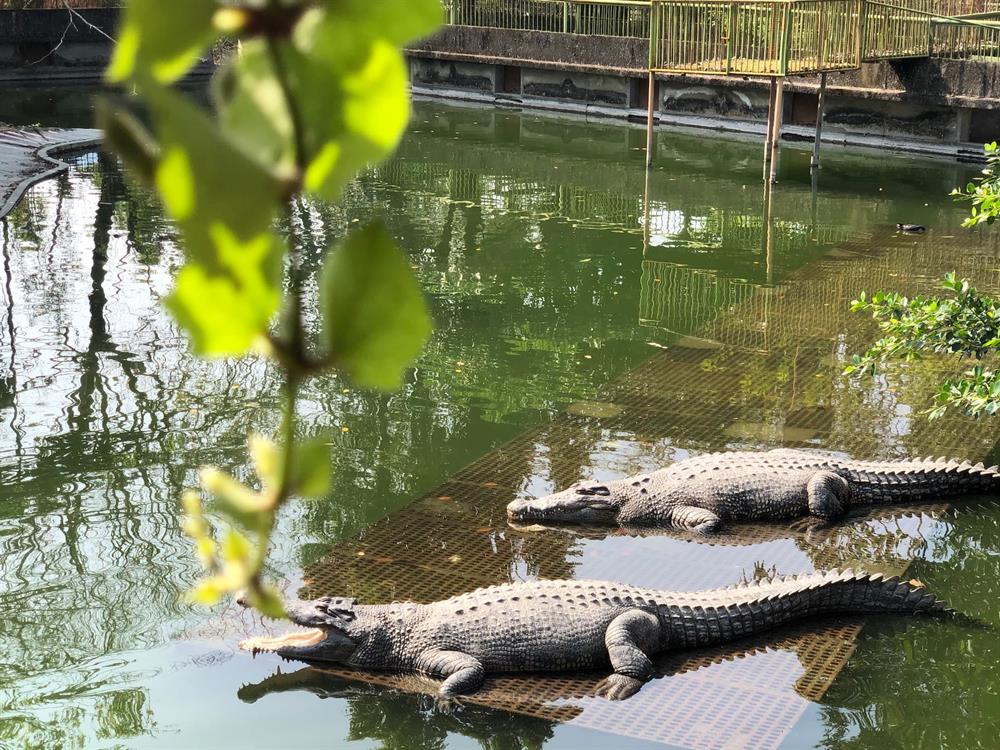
point(686, 398)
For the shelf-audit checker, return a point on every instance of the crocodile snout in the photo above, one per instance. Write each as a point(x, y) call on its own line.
point(516, 509)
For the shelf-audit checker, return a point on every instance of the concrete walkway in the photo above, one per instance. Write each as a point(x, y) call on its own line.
point(31, 155)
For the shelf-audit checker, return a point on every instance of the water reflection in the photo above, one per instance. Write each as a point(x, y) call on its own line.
point(408, 716)
point(528, 233)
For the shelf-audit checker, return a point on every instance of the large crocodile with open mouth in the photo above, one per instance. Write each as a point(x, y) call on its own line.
point(571, 625)
point(704, 492)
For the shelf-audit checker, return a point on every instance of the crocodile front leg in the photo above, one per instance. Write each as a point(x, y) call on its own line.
point(629, 639)
point(828, 495)
point(462, 673)
point(691, 518)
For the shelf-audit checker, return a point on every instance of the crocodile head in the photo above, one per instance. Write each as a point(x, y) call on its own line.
point(330, 632)
point(584, 502)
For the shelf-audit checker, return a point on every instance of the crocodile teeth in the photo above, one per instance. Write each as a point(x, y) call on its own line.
point(292, 639)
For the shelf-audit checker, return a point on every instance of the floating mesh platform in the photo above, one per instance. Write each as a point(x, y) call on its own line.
point(769, 376)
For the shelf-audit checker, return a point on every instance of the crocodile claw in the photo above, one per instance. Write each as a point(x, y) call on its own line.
point(618, 687)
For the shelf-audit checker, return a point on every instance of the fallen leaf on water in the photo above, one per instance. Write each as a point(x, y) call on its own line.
point(382, 560)
point(586, 260)
point(345, 428)
point(444, 498)
point(484, 529)
point(490, 484)
point(361, 553)
point(916, 583)
point(454, 559)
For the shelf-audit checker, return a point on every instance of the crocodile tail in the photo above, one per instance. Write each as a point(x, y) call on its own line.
point(928, 479)
point(707, 617)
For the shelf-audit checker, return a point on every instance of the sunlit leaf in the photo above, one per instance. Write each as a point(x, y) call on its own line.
point(226, 310)
point(223, 203)
point(267, 601)
point(253, 108)
point(266, 459)
point(130, 139)
point(354, 22)
point(218, 183)
point(161, 38)
point(375, 318)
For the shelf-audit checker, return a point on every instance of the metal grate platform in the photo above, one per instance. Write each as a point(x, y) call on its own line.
point(773, 379)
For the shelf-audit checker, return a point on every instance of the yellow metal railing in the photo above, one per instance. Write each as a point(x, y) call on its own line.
point(919, 28)
point(776, 38)
point(974, 35)
point(758, 37)
point(623, 18)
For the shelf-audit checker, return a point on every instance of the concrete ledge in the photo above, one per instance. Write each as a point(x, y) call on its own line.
point(29, 156)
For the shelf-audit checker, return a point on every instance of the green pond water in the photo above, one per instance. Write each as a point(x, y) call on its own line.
point(527, 234)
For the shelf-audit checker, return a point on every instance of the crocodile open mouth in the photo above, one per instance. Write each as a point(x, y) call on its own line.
point(290, 640)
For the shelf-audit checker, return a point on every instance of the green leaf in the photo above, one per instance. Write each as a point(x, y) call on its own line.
point(375, 318)
point(311, 468)
point(365, 106)
point(129, 138)
point(267, 601)
point(205, 180)
point(162, 39)
point(223, 203)
point(349, 52)
point(266, 460)
point(395, 21)
point(227, 304)
point(253, 109)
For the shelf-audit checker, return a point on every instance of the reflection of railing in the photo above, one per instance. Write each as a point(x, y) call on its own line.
point(624, 18)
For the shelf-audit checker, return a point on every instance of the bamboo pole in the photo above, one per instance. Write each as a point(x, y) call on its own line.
point(820, 112)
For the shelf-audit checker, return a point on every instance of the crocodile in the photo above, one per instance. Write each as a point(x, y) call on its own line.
point(703, 493)
point(559, 625)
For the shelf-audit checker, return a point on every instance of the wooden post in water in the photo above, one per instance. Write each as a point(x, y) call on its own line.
point(770, 125)
point(650, 119)
point(820, 112)
point(779, 102)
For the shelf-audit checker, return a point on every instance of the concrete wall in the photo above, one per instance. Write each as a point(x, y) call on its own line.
point(53, 45)
point(945, 107)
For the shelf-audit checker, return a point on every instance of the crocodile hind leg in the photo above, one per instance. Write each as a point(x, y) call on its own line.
point(629, 638)
point(700, 520)
point(462, 673)
point(828, 494)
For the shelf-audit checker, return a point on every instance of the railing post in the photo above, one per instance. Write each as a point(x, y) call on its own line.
point(453, 12)
point(565, 17)
point(770, 125)
point(786, 39)
point(730, 33)
point(779, 113)
point(820, 112)
point(862, 29)
point(651, 90)
point(821, 37)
